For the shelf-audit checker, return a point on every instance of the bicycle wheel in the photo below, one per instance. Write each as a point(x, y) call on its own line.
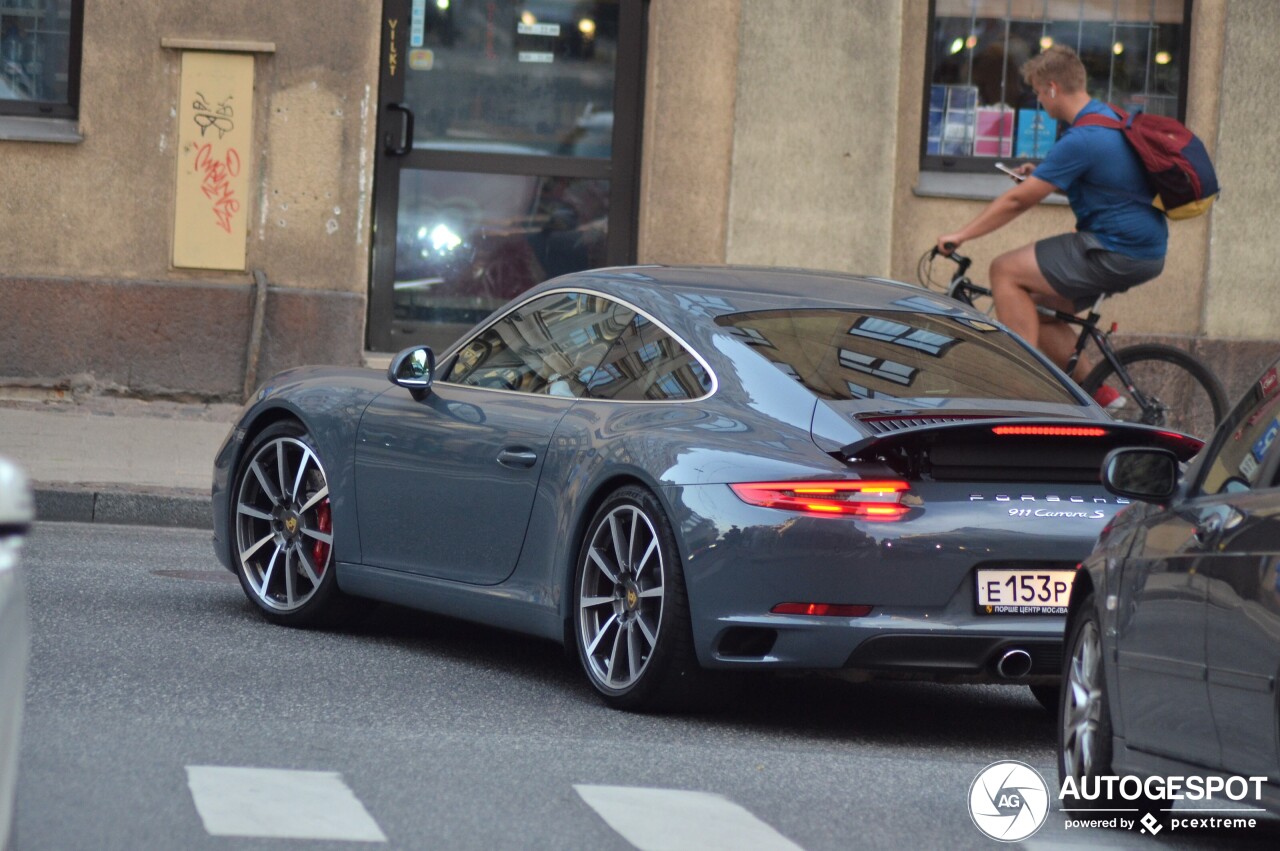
point(1184, 394)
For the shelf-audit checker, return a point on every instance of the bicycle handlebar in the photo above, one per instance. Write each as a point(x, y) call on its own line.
point(954, 256)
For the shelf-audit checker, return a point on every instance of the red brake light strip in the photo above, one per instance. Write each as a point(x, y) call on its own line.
point(1051, 431)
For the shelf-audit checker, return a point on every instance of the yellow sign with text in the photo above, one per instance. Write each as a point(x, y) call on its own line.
point(215, 139)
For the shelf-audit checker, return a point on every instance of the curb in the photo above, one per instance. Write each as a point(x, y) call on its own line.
point(124, 505)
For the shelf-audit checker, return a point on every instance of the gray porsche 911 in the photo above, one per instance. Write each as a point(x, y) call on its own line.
point(685, 471)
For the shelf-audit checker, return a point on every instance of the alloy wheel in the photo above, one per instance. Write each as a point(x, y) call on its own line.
point(621, 597)
point(284, 529)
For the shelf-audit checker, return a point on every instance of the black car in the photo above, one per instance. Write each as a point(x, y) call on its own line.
point(1173, 636)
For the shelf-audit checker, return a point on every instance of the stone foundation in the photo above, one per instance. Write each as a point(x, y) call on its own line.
point(166, 339)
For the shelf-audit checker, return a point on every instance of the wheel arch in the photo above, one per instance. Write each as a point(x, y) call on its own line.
point(1081, 588)
point(330, 439)
point(251, 428)
point(590, 504)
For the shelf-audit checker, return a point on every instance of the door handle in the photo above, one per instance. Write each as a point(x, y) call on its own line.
point(406, 132)
point(517, 457)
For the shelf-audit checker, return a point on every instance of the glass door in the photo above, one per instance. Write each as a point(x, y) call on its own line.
point(508, 141)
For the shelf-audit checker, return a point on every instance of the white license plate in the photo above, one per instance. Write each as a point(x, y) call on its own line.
point(1024, 592)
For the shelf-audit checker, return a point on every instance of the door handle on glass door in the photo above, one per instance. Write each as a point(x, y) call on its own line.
point(406, 132)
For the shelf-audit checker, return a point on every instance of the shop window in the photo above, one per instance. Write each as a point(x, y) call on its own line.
point(978, 110)
point(40, 57)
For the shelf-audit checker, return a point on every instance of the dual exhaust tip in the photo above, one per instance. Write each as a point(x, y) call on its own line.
point(1014, 664)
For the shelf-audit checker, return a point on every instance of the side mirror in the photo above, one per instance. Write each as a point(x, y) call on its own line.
point(413, 370)
point(1149, 475)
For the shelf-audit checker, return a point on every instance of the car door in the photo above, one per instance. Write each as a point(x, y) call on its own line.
point(1243, 589)
point(1160, 640)
point(445, 486)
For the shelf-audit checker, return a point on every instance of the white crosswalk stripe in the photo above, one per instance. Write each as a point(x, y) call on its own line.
point(279, 804)
point(675, 820)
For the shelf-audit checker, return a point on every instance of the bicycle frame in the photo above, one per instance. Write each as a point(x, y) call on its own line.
point(963, 290)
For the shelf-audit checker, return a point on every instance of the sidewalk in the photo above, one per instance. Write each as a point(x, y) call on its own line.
point(108, 460)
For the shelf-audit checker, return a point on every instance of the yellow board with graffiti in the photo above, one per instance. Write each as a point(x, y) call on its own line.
point(215, 138)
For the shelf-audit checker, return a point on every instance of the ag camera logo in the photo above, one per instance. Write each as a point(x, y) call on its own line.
point(1008, 800)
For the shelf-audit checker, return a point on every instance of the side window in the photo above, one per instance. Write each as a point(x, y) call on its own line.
point(647, 364)
point(549, 345)
point(1241, 453)
point(40, 58)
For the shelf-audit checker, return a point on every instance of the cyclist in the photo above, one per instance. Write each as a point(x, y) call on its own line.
point(1119, 241)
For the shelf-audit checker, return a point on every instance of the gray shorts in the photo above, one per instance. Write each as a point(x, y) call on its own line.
point(1080, 269)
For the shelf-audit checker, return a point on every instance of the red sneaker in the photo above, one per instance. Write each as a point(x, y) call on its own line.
point(1109, 398)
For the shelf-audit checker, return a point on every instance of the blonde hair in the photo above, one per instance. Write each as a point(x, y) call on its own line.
point(1058, 64)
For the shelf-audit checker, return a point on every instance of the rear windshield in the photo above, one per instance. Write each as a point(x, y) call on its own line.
point(896, 355)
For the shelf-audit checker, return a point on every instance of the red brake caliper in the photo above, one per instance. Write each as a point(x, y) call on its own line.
point(324, 523)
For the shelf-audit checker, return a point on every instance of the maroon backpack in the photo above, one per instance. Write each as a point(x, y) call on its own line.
point(1177, 164)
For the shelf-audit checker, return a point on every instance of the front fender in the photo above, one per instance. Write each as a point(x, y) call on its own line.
point(329, 403)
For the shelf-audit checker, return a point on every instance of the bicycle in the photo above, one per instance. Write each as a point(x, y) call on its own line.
point(1157, 384)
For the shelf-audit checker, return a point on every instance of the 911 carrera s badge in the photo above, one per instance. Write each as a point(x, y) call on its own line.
point(1090, 514)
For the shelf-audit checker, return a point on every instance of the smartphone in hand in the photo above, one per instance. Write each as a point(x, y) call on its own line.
point(1011, 172)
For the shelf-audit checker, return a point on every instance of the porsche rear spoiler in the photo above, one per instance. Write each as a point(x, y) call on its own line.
point(1010, 448)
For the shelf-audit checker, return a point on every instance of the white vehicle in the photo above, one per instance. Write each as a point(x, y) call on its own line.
point(17, 510)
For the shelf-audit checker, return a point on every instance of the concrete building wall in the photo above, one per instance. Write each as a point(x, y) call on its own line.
point(690, 84)
point(99, 213)
point(1244, 254)
point(813, 151)
point(779, 132)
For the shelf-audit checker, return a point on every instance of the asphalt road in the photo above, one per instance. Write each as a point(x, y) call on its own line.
point(152, 681)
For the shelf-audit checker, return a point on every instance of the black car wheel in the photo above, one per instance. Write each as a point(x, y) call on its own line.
point(631, 614)
point(282, 530)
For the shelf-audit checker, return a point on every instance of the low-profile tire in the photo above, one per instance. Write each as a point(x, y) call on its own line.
point(281, 530)
point(1047, 697)
point(631, 620)
point(1190, 397)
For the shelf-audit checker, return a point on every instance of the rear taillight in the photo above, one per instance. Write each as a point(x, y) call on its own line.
point(870, 500)
point(1182, 445)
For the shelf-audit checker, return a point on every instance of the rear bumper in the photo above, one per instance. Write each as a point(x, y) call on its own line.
point(918, 576)
point(894, 646)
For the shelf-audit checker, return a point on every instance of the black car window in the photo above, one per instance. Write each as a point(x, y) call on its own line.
point(1245, 445)
point(916, 358)
point(548, 345)
point(647, 364)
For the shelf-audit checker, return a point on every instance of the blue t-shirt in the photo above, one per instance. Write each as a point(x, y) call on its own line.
point(1104, 180)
